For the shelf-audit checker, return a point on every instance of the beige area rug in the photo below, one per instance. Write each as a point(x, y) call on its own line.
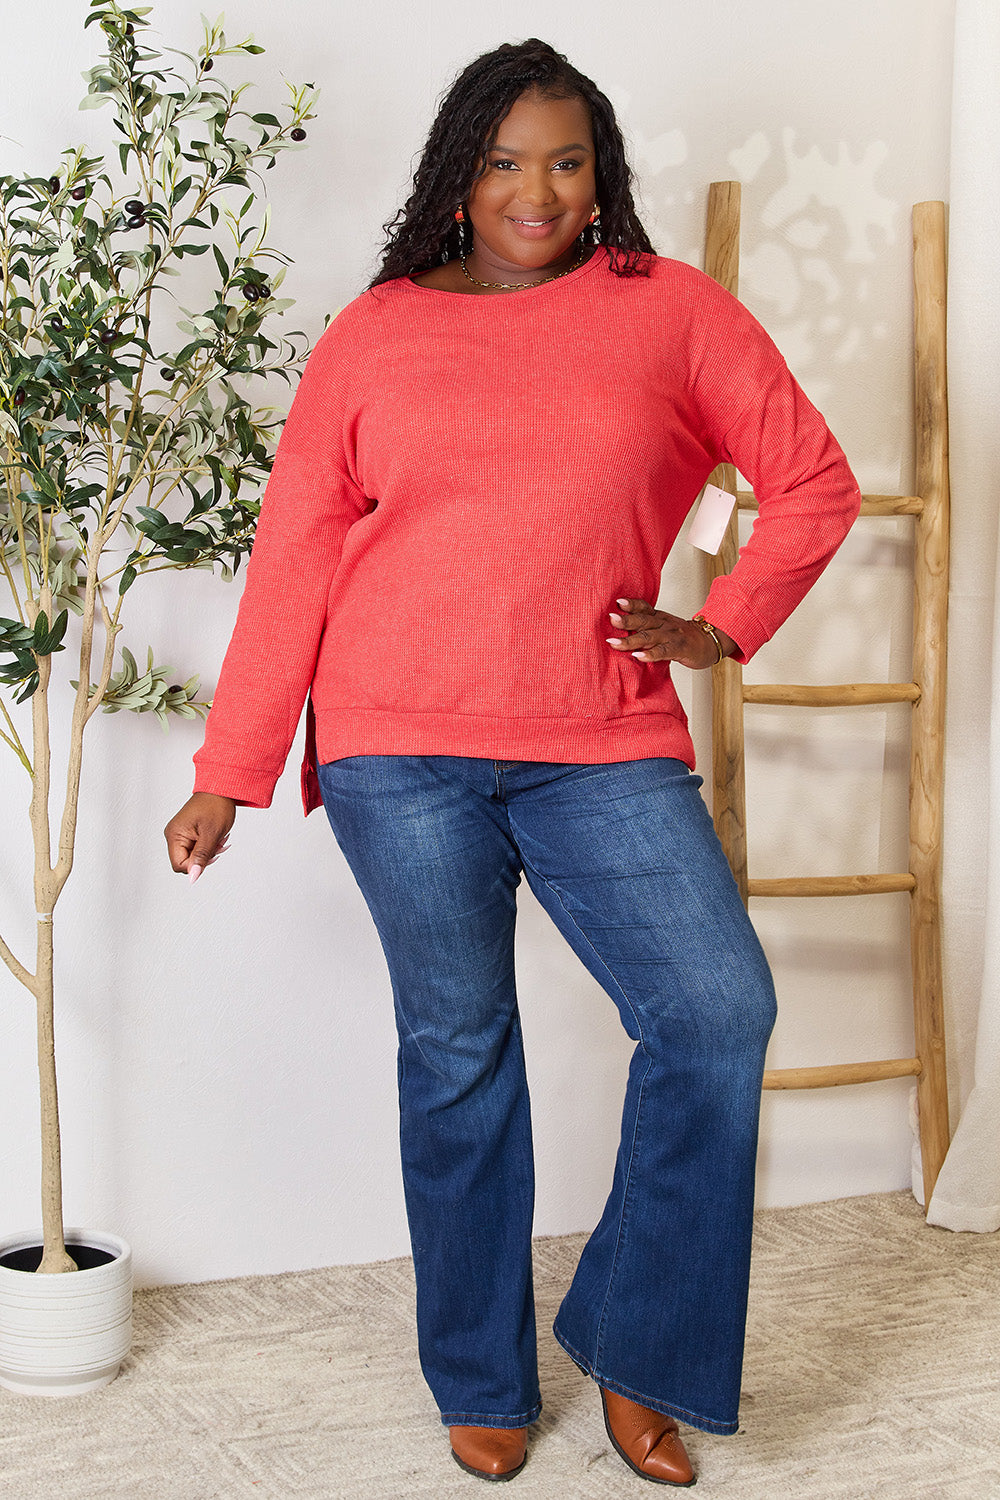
point(872, 1373)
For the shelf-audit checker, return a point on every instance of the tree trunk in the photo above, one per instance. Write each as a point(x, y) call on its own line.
point(47, 887)
point(54, 1254)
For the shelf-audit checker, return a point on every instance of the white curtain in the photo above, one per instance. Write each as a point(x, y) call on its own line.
point(967, 1195)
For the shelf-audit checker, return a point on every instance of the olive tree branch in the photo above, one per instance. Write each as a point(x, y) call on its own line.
point(14, 739)
point(111, 628)
point(17, 511)
point(113, 521)
point(17, 968)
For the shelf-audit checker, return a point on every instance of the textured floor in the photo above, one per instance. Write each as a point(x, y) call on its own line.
point(872, 1373)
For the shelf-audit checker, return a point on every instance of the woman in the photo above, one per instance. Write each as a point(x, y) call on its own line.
point(488, 458)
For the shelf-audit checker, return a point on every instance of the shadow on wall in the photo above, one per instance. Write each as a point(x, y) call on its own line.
point(816, 225)
point(807, 246)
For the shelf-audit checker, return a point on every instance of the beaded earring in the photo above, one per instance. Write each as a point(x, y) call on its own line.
point(463, 233)
point(595, 225)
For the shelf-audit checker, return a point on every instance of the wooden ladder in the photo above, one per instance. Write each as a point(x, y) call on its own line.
point(926, 692)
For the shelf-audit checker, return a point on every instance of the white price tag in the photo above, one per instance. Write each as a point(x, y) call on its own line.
point(711, 519)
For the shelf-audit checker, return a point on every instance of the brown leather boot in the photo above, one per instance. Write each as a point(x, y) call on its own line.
point(646, 1440)
point(489, 1452)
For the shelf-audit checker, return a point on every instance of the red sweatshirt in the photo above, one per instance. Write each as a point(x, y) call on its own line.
point(463, 488)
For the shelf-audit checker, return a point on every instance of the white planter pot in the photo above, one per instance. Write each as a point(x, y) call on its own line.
point(67, 1334)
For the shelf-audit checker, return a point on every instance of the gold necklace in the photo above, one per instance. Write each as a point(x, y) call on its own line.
point(519, 286)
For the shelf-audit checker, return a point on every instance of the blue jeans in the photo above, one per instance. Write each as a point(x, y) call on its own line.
point(624, 859)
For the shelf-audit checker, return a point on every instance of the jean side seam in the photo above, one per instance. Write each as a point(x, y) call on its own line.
point(639, 1101)
point(626, 1199)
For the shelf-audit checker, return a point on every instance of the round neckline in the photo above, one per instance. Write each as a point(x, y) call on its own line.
point(599, 257)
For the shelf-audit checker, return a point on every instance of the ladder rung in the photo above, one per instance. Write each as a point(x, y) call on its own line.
point(837, 1073)
point(843, 694)
point(832, 885)
point(871, 505)
point(891, 505)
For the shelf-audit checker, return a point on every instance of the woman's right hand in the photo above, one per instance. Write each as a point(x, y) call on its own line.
point(196, 836)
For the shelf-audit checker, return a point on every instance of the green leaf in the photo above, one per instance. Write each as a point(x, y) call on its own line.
point(192, 348)
point(220, 261)
point(126, 581)
point(51, 642)
point(14, 636)
point(244, 434)
point(48, 486)
point(81, 494)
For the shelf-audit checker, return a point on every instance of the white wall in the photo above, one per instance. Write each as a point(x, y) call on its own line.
point(226, 1052)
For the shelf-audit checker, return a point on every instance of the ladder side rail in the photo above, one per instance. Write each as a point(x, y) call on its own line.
point(722, 259)
point(930, 624)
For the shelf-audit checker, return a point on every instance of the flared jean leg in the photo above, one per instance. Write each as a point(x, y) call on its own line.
point(435, 863)
point(626, 862)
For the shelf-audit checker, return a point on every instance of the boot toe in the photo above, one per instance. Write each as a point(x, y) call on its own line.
point(489, 1452)
point(647, 1440)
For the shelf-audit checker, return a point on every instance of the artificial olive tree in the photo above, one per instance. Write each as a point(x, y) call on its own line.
point(130, 442)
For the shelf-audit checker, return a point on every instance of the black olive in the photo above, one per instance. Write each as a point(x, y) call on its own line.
point(207, 65)
point(251, 292)
point(130, 29)
point(166, 374)
point(57, 325)
point(108, 336)
point(18, 398)
point(263, 293)
point(175, 689)
point(298, 134)
point(137, 221)
point(79, 193)
point(134, 207)
point(53, 184)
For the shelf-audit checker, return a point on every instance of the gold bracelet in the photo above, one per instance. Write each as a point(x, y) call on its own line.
point(700, 621)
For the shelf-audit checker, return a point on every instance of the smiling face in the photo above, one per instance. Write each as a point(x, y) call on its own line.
point(536, 193)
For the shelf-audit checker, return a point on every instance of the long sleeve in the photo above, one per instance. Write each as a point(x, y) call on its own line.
point(311, 501)
point(807, 495)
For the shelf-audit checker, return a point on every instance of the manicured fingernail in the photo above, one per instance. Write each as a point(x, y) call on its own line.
point(613, 640)
point(616, 619)
point(194, 873)
point(640, 656)
point(623, 602)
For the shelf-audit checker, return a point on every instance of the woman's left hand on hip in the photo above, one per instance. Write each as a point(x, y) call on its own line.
point(655, 635)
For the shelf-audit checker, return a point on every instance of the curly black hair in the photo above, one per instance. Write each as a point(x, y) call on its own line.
point(466, 126)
